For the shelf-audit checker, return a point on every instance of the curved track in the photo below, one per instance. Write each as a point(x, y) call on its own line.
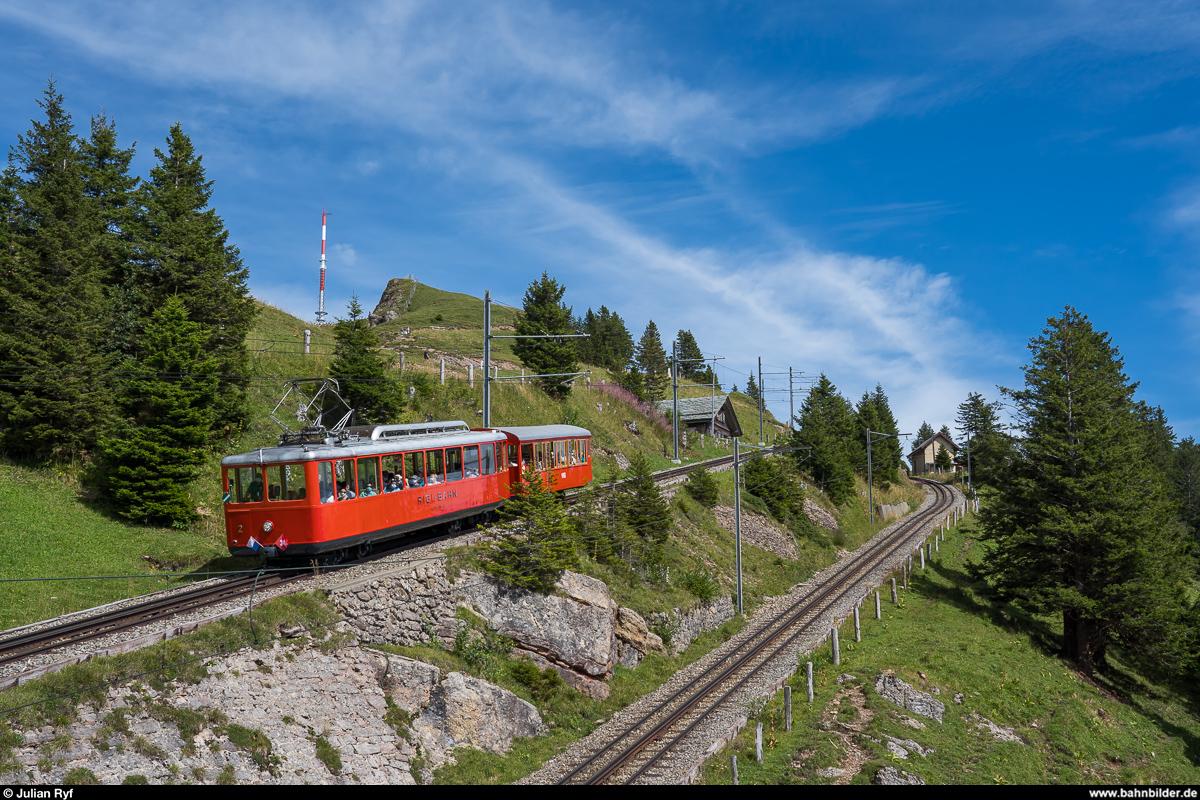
point(633, 754)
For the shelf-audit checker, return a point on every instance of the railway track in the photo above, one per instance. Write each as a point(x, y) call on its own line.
point(34, 640)
point(637, 753)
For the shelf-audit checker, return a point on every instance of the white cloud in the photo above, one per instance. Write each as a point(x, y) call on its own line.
point(344, 255)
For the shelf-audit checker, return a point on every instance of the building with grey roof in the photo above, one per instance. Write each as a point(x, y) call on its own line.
point(711, 415)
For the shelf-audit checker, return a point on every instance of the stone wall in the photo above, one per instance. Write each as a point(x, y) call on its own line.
point(684, 627)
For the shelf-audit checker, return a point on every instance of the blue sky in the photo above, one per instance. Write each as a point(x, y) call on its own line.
point(884, 192)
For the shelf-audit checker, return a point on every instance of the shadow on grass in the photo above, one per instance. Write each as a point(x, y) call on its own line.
point(1116, 678)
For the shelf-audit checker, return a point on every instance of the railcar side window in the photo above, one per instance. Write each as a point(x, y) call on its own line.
point(325, 484)
point(489, 467)
point(583, 451)
point(454, 464)
point(343, 473)
point(527, 457)
point(285, 482)
point(540, 451)
point(368, 477)
point(393, 473)
point(471, 461)
point(414, 464)
point(434, 460)
point(249, 485)
point(560, 452)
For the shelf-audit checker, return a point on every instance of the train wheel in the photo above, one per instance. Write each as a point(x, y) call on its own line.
point(485, 518)
point(454, 526)
point(364, 549)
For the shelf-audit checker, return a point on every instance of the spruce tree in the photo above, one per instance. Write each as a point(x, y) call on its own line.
point(50, 298)
point(545, 313)
point(752, 387)
point(925, 432)
point(1079, 522)
point(184, 251)
point(873, 414)
point(690, 365)
point(826, 424)
point(652, 360)
point(643, 510)
point(537, 545)
point(155, 450)
point(983, 438)
point(363, 370)
point(1184, 475)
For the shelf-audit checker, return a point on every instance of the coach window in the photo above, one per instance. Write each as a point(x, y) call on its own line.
point(343, 475)
point(561, 449)
point(489, 466)
point(285, 482)
point(583, 451)
point(249, 485)
point(434, 460)
point(325, 485)
point(393, 473)
point(539, 451)
point(454, 464)
point(527, 457)
point(368, 477)
point(414, 464)
point(471, 462)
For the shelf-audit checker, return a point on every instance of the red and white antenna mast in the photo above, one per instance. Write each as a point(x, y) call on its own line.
point(321, 304)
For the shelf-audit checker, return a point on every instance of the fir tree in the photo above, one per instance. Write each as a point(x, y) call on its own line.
point(50, 297)
point(873, 414)
point(643, 510)
point(774, 484)
point(537, 546)
point(156, 449)
point(826, 424)
point(702, 487)
point(652, 360)
point(690, 365)
point(362, 371)
point(752, 387)
point(184, 251)
point(925, 432)
point(545, 313)
point(1079, 523)
point(1184, 475)
point(983, 439)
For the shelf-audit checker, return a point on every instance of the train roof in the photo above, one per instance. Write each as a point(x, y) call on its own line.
point(380, 443)
point(526, 432)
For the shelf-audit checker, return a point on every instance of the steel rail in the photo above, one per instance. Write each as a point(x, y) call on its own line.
point(753, 646)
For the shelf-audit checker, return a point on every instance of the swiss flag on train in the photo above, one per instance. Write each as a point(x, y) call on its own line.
point(282, 543)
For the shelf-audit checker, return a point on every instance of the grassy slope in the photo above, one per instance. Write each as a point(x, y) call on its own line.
point(1121, 729)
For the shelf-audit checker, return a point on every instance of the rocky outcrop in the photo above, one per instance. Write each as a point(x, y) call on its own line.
point(633, 630)
point(466, 711)
point(393, 302)
point(890, 776)
point(575, 631)
point(998, 732)
point(894, 690)
point(408, 682)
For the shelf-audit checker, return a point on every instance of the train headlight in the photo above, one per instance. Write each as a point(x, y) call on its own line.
point(267, 526)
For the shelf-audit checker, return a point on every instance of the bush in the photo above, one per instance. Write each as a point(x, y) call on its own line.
point(701, 584)
point(543, 684)
point(81, 777)
point(702, 487)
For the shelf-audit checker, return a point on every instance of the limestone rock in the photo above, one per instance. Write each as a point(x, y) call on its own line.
point(894, 690)
point(890, 776)
point(819, 516)
point(593, 688)
point(410, 683)
point(831, 772)
point(392, 302)
point(897, 750)
point(909, 745)
point(892, 511)
point(574, 632)
point(998, 732)
point(466, 711)
point(628, 655)
point(632, 628)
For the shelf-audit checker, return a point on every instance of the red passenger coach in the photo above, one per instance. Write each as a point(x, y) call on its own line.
point(343, 493)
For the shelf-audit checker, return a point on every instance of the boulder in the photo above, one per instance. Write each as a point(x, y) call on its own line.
point(576, 631)
point(593, 688)
point(409, 683)
point(890, 776)
point(466, 711)
point(894, 690)
point(892, 511)
point(632, 628)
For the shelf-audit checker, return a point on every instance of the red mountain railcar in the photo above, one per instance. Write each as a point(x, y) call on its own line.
point(375, 483)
